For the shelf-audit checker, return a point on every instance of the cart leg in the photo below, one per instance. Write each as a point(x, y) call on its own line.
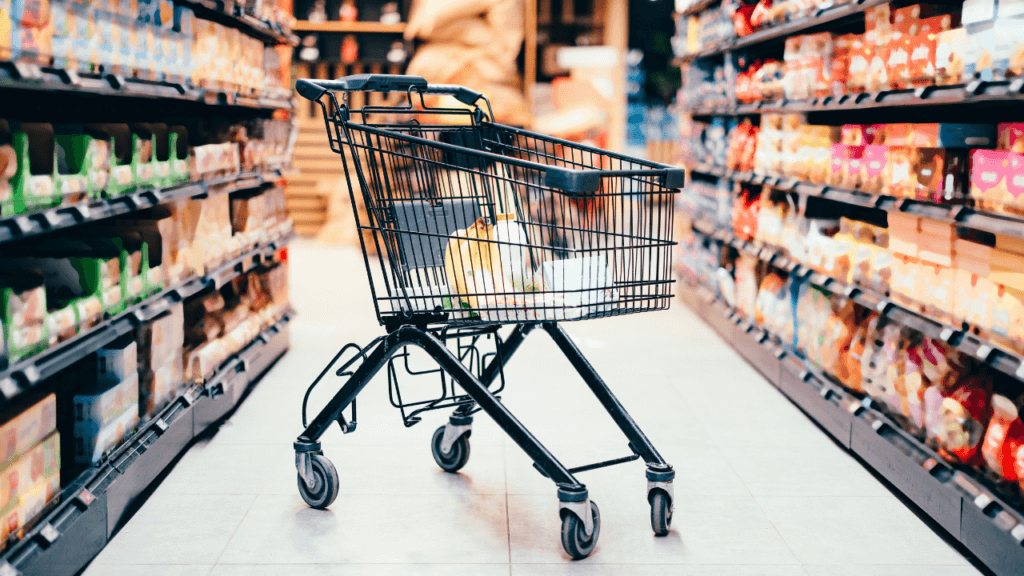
point(659, 473)
point(508, 348)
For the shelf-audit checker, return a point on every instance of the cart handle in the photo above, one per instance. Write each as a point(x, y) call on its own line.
point(314, 89)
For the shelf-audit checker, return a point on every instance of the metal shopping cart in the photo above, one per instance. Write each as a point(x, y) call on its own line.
point(475, 226)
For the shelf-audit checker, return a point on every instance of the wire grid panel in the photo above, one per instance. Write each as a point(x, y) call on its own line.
point(486, 239)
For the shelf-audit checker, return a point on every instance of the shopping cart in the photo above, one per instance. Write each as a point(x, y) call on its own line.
point(477, 225)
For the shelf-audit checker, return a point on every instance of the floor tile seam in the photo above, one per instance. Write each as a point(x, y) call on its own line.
point(235, 531)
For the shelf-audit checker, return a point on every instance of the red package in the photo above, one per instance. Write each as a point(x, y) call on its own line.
point(897, 62)
point(1004, 438)
point(872, 167)
point(921, 71)
point(741, 20)
point(964, 415)
point(1011, 137)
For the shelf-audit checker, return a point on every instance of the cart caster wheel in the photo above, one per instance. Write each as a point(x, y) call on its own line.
point(325, 483)
point(576, 543)
point(661, 513)
point(454, 460)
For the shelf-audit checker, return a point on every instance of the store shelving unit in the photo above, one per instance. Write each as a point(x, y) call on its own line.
point(958, 214)
point(987, 520)
point(81, 521)
point(964, 506)
point(75, 526)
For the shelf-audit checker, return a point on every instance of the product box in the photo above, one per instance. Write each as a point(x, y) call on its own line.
point(861, 55)
point(40, 462)
point(26, 429)
point(972, 298)
point(873, 166)
point(91, 443)
point(922, 66)
point(161, 339)
point(950, 48)
point(98, 410)
point(1008, 315)
point(1011, 137)
point(159, 387)
point(939, 175)
point(997, 180)
point(897, 61)
point(32, 504)
point(117, 362)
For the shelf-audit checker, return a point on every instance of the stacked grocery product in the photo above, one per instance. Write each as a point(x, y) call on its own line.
point(148, 39)
point(907, 47)
point(224, 322)
point(30, 465)
point(63, 286)
point(106, 406)
point(161, 376)
point(43, 168)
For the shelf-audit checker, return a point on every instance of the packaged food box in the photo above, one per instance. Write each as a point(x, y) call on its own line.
point(997, 180)
point(27, 429)
point(32, 504)
point(159, 387)
point(973, 298)
point(1011, 137)
point(950, 46)
point(40, 462)
point(92, 443)
point(161, 339)
point(95, 411)
point(117, 362)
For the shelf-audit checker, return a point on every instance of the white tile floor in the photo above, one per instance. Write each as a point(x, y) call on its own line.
point(761, 491)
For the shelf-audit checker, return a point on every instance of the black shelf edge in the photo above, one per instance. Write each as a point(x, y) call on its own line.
point(216, 11)
point(699, 7)
point(959, 215)
point(985, 523)
point(821, 16)
point(24, 76)
point(993, 355)
point(26, 374)
point(81, 522)
point(20, 226)
point(974, 93)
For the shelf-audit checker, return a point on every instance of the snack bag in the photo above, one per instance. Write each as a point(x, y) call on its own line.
point(913, 384)
point(854, 379)
point(1004, 438)
point(963, 416)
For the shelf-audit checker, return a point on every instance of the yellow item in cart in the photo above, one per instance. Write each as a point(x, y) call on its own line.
point(472, 266)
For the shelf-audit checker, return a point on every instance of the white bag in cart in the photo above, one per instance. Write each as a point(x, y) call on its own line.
point(585, 285)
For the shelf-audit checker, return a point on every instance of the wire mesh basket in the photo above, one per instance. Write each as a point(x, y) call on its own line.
point(483, 223)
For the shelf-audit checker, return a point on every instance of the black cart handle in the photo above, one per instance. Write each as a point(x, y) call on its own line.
point(314, 89)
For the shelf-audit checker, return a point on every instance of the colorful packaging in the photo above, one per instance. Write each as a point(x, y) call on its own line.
point(27, 429)
point(40, 462)
point(92, 443)
point(1004, 438)
point(963, 417)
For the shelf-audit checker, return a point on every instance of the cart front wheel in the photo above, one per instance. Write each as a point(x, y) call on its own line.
point(576, 543)
point(325, 483)
point(454, 459)
point(661, 513)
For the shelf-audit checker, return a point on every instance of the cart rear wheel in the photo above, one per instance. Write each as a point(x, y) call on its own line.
point(661, 513)
point(325, 483)
point(456, 458)
point(576, 543)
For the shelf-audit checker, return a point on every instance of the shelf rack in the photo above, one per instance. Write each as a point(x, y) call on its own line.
point(698, 7)
point(976, 93)
point(228, 13)
point(83, 519)
point(965, 507)
point(996, 356)
point(349, 27)
point(820, 17)
point(29, 372)
point(20, 226)
point(960, 215)
point(32, 79)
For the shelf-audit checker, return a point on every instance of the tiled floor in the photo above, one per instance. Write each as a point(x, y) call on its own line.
point(761, 491)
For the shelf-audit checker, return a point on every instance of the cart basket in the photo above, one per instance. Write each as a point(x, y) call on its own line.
point(472, 222)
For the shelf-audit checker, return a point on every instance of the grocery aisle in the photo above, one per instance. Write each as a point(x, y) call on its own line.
point(760, 489)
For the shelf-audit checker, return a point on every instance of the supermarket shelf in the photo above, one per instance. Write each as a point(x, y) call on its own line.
point(32, 78)
point(349, 27)
point(976, 93)
point(79, 525)
point(995, 356)
point(958, 215)
point(976, 516)
point(230, 14)
point(819, 18)
point(19, 226)
point(24, 375)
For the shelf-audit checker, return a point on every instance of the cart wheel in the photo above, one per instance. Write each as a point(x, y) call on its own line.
point(661, 513)
point(454, 460)
point(325, 483)
point(575, 542)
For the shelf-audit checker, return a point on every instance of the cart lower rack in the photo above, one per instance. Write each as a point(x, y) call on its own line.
point(471, 226)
